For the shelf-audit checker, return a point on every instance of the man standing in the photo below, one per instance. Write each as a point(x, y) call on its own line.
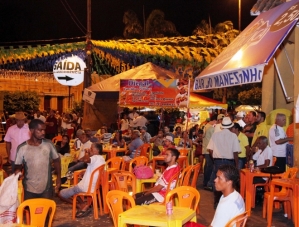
point(207, 134)
point(231, 203)
point(224, 148)
point(261, 128)
point(279, 140)
point(52, 126)
point(93, 159)
point(250, 128)
point(132, 116)
point(158, 192)
point(16, 135)
point(35, 156)
point(139, 121)
point(217, 127)
point(37, 115)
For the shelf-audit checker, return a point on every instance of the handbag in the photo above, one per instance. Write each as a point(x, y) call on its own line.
point(272, 170)
point(143, 172)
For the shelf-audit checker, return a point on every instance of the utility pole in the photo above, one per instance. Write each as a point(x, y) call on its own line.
point(87, 70)
point(239, 8)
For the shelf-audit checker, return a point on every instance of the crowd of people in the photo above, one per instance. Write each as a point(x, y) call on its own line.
point(226, 142)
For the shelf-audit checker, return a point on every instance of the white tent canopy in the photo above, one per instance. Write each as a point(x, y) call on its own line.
point(146, 71)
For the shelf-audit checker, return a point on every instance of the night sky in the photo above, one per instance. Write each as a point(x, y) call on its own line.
point(23, 20)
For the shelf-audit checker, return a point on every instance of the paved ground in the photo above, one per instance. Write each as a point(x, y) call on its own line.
point(64, 212)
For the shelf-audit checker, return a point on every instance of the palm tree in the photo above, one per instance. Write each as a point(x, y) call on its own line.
point(133, 28)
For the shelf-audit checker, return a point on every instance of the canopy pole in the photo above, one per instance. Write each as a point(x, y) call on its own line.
point(118, 125)
point(281, 82)
point(287, 56)
point(187, 112)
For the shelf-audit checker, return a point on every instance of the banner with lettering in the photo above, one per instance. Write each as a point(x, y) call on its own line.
point(154, 93)
point(244, 59)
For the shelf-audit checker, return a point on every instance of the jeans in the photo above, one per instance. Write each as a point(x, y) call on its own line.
point(208, 168)
point(242, 162)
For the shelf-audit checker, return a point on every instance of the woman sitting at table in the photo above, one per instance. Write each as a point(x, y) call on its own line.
point(178, 132)
point(185, 141)
point(63, 146)
point(128, 136)
point(117, 140)
point(158, 192)
point(158, 142)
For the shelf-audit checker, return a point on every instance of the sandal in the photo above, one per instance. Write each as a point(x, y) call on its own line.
point(83, 213)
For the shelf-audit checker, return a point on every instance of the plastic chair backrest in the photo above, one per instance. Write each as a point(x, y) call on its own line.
point(270, 119)
point(238, 221)
point(175, 178)
point(195, 170)
point(183, 161)
point(176, 141)
point(183, 152)
point(115, 201)
point(100, 171)
point(38, 209)
point(143, 150)
point(116, 162)
point(140, 160)
point(290, 173)
point(65, 161)
point(186, 197)
point(1, 176)
point(125, 181)
point(56, 139)
point(184, 179)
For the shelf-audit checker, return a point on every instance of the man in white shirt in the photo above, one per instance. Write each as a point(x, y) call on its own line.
point(279, 140)
point(132, 116)
point(231, 203)
point(39, 116)
point(93, 159)
point(139, 121)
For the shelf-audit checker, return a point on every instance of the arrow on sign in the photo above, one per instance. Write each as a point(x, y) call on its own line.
point(67, 78)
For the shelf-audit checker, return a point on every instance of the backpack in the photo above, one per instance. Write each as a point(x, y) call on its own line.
point(143, 172)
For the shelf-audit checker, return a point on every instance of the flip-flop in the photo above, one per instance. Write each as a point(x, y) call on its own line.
point(83, 213)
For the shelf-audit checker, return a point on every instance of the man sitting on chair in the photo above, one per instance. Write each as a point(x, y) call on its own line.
point(231, 203)
point(158, 192)
point(93, 159)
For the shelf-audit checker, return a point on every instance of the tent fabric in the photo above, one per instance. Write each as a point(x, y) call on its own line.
point(244, 59)
point(198, 101)
point(145, 71)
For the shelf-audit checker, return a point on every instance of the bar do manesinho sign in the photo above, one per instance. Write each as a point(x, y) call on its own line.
point(69, 71)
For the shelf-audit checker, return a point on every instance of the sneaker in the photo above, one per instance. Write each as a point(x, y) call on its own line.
point(69, 175)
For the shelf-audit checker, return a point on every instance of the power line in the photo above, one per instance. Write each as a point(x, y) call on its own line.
point(78, 25)
point(75, 16)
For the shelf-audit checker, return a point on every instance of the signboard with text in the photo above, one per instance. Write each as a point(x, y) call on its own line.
point(154, 93)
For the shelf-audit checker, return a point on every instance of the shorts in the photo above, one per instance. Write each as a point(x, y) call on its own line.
point(69, 192)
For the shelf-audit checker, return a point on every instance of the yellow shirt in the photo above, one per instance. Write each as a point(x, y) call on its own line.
point(243, 141)
point(261, 130)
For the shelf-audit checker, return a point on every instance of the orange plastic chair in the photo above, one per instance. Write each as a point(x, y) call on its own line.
point(115, 200)
point(143, 150)
point(96, 193)
point(265, 185)
point(39, 209)
point(184, 178)
point(56, 139)
point(186, 197)
point(183, 161)
point(184, 152)
point(125, 181)
point(116, 162)
point(138, 161)
point(283, 195)
point(195, 171)
point(238, 221)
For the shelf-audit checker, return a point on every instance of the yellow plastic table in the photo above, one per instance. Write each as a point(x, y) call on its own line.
point(155, 215)
point(139, 182)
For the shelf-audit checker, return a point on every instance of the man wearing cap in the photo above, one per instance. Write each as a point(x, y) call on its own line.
point(136, 142)
point(85, 145)
point(145, 136)
point(16, 135)
point(239, 118)
point(217, 127)
point(224, 148)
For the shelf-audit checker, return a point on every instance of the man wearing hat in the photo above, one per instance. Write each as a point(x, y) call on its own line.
point(217, 127)
point(16, 135)
point(224, 148)
point(145, 136)
point(239, 118)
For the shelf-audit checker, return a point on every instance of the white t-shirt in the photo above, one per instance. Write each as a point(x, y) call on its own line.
point(124, 124)
point(84, 146)
point(132, 116)
point(139, 121)
point(217, 128)
point(41, 117)
point(224, 144)
point(228, 207)
point(275, 133)
point(95, 162)
point(262, 157)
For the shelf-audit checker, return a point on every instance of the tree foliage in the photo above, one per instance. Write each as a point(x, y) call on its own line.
point(133, 28)
point(251, 97)
point(20, 101)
